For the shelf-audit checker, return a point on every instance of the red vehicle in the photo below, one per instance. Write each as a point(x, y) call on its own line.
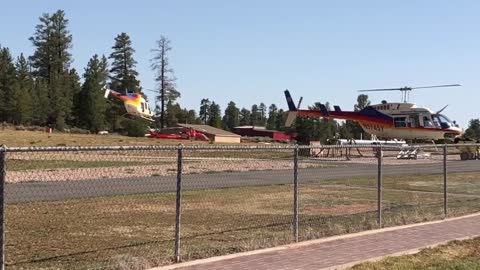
point(186, 134)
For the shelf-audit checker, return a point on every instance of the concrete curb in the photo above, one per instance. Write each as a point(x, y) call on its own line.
point(319, 241)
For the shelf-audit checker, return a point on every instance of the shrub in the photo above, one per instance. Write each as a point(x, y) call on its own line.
point(135, 128)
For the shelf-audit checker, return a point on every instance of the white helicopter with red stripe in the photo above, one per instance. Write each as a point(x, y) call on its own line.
point(389, 120)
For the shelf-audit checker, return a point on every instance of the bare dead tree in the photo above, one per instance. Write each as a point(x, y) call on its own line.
point(164, 77)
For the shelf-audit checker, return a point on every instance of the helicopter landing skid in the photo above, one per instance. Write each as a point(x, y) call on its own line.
point(135, 117)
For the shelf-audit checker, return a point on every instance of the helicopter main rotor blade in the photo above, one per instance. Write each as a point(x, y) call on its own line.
point(409, 88)
point(437, 86)
point(386, 89)
point(151, 90)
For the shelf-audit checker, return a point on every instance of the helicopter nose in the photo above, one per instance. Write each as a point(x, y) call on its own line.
point(457, 130)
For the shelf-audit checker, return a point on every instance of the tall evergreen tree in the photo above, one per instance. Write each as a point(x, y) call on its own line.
point(93, 105)
point(280, 121)
point(314, 128)
point(262, 108)
point(214, 116)
point(164, 77)
point(205, 110)
point(172, 114)
point(51, 61)
point(473, 130)
point(245, 117)
point(191, 117)
point(41, 102)
point(353, 128)
point(272, 116)
point(255, 115)
point(8, 89)
point(24, 91)
point(123, 76)
point(74, 85)
point(231, 116)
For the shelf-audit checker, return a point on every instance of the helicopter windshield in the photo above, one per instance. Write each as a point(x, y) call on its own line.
point(444, 121)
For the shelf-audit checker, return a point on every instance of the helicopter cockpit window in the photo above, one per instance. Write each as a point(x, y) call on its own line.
point(400, 121)
point(143, 107)
point(443, 120)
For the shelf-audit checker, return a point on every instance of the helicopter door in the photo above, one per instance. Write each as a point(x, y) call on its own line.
point(427, 121)
point(414, 120)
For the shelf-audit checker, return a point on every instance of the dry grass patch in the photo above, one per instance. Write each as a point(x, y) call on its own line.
point(454, 255)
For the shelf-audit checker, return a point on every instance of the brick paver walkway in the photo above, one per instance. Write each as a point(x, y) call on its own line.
point(344, 250)
point(338, 252)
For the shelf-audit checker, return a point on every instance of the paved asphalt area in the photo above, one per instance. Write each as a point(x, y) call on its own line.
point(60, 190)
point(344, 251)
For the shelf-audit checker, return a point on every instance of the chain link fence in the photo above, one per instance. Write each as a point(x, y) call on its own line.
point(140, 207)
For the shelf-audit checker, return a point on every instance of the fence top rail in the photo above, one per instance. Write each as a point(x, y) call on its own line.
point(225, 147)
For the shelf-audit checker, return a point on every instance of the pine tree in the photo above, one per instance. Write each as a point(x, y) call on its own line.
point(314, 128)
point(473, 130)
point(51, 61)
point(245, 117)
point(73, 85)
point(93, 105)
point(231, 116)
point(192, 118)
point(272, 116)
point(164, 77)
point(24, 91)
point(172, 114)
point(205, 110)
point(8, 88)
point(280, 120)
point(255, 115)
point(41, 102)
point(262, 108)
point(214, 117)
point(123, 77)
point(354, 129)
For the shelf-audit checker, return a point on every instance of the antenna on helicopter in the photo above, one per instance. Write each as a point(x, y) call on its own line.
point(406, 90)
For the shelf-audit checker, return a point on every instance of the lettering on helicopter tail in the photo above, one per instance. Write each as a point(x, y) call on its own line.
point(373, 127)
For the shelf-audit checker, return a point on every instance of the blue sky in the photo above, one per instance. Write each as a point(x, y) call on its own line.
point(250, 51)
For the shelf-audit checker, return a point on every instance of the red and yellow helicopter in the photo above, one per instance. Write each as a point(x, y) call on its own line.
point(134, 103)
point(389, 120)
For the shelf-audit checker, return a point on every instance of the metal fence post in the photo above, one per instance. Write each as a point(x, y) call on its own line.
point(3, 176)
point(380, 187)
point(178, 209)
point(295, 193)
point(445, 181)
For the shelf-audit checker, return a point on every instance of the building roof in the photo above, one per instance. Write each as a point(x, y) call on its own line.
point(209, 130)
point(257, 128)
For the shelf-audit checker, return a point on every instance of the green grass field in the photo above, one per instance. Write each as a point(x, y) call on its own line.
point(137, 231)
point(458, 255)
